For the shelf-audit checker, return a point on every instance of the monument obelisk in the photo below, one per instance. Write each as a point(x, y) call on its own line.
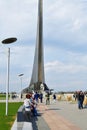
point(38, 67)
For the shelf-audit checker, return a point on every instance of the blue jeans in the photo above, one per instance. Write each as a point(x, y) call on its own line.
point(79, 104)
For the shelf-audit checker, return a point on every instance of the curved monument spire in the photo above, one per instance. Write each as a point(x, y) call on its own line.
point(38, 67)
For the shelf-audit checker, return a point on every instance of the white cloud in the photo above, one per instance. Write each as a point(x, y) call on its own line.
point(68, 19)
point(60, 67)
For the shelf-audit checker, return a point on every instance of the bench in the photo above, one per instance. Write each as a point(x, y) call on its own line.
point(23, 115)
point(23, 120)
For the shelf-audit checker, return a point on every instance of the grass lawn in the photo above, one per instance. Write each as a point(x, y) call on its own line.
point(7, 121)
point(3, 96)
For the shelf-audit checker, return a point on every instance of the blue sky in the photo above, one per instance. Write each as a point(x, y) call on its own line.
point(64, 38)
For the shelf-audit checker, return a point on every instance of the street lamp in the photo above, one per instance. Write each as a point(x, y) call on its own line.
point(8, 41)
point(20, 75)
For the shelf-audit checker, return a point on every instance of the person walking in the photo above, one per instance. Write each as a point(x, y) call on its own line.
point(48, 98)
point(36, 97)
point(82, 98)
point(79, 99)
point(54, 97)
point(41, 97)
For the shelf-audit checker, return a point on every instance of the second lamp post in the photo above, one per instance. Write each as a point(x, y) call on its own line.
point(20, 75)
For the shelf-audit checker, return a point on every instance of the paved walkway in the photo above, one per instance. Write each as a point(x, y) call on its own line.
point(71, 112)
point(56, 121)
point(61, 115)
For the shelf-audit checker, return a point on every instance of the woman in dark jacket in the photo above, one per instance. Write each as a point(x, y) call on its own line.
point(82, 98)
point(79, 99)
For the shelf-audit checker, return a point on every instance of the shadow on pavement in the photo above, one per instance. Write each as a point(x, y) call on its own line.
point(52, 109)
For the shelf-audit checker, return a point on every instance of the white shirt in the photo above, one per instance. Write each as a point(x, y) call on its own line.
point(27, 104)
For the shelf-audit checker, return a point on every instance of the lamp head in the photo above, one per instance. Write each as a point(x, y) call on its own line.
point(20, 74)
point(9, 40)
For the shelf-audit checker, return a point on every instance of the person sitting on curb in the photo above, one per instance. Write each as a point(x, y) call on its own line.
point(30, 104)
point(27, 107)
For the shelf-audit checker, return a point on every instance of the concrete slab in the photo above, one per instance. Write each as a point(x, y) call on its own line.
point(27, 126)
point(70, 112)
point(17, 125)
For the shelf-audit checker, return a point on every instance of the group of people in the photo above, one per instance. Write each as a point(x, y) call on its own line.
point(38, 96)
point(31, 102)
point(79, 96)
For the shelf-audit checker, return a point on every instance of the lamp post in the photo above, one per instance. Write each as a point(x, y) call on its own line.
point(20, 75)
point(8, 41)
